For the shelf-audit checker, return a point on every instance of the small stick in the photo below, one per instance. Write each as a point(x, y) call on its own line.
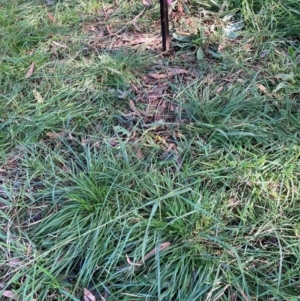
point(149, 254)
point(164, 24)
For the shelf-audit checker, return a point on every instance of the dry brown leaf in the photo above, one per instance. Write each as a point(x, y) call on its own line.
point(170, 72)
point(146, 2)
point(135, 110)
point(53, 135)
point(219, 89)
point(14, 262)
point(85, 142)
point(157, 90)
point(160, 112)
point(179, 161)
point(31, 51)
point(139, 154)
point(132, 263)
point(110, 11)
point(247, 46)
point(142, 40)
point(9, 294)
point(37, 95)
point(51, 18)
point(209, 79)
point(153, 97)
point(88, 296)
point(58, 44)
point(30, 71)
point(263, 89)
point(92, 28)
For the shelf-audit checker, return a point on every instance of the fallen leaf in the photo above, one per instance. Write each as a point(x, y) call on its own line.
point(53, 135)
point(209, 79)
point(58, 44)
point(9, 294)
point(135, 110)
point(139, 154)
point(215, 54)
point(51, 18)
point(280, 86)
point(200, 54)
point(153, 97)
point(263, 89)
point(175, 71)
point(170, 72)
point(142, 40)
point(37, 95)
point(160, 111)
point(146, 2)
point(247, 46)
point(286, 77)
point(30, 71)
point(264, 53)
point(219, 89)
point(221, 47)
point(182, 37)
point(123, 94)
point(92, 28)
point(113, 142)
point(229, 31)
point(14, 262)
point(85, 142)
point(132, 263)
point(179, 161)
point(88, 296)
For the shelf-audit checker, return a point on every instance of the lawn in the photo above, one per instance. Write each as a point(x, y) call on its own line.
point(127, 173)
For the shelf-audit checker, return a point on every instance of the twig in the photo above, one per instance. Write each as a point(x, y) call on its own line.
point(131, 22)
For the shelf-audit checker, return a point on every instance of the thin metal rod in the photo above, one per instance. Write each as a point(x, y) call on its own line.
point(164, 17)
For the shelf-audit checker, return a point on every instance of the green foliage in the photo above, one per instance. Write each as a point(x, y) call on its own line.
point(281, 18)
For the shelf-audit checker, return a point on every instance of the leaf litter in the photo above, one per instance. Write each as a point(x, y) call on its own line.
point(151, 102)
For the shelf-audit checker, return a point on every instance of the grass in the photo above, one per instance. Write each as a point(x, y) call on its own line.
point(111, 150)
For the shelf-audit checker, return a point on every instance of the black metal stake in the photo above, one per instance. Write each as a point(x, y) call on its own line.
point(164, 24)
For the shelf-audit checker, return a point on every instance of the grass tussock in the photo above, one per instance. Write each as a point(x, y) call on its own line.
point(129, 175)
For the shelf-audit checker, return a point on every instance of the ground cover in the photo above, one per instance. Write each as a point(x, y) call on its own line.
point(129, 174)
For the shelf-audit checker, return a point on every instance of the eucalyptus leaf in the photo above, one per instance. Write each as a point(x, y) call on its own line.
point(229, 31)
point(181, 38)
point(280, 86)
point(286, 77)
point(215, 53)
point(200, 54)
point(228, 14)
